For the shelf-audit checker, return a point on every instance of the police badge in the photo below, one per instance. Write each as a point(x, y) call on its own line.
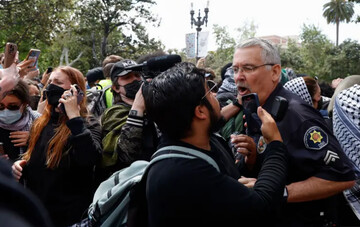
point(315, 138)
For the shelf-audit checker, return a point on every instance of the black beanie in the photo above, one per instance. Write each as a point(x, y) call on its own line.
point(95, 74)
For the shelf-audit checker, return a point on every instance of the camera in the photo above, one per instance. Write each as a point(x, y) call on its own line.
point(154, 66)
point(80, 97)
point(251, 103)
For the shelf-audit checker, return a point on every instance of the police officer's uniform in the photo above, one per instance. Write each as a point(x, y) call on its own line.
point(313, 151)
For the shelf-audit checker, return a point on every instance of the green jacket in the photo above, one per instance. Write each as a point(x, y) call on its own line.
point(112, 121)
point(234, 124)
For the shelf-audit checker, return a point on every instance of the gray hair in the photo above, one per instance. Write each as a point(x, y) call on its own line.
point(270, 53)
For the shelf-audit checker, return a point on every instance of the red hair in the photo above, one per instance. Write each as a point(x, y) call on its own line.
point(62, 132)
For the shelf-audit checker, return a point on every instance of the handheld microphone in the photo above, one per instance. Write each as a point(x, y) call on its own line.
point(160, 63)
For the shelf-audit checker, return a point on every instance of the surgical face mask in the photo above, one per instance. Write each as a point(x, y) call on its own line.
point(132, 88)
point(10, 116)
point(53, 94)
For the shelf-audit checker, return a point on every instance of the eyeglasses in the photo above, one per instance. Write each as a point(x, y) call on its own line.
point(9, 107)
point(248, 68)
point(210, 88)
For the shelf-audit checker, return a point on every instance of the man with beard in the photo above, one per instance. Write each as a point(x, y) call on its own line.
point(318, 169)
point(191, 192)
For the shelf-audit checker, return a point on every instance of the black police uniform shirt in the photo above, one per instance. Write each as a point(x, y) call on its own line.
point(313, 149)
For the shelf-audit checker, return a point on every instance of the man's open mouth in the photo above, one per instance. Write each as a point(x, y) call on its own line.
point(243, 90)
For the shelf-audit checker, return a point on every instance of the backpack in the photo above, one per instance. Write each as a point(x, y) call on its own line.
point(121, 199)
point(96, 99)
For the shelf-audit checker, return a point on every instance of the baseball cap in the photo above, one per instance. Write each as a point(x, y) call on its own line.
point(119, 68)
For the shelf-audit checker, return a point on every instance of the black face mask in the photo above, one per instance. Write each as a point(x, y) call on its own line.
point(53, 94)
point(34, 100)
point(132, 88)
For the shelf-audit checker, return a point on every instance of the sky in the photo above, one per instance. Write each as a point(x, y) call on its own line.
point(275, 17)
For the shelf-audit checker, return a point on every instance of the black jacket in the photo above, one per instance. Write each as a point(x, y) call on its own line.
point(66, 190)
point(190, 192)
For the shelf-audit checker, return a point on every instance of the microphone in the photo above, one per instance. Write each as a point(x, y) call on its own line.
point(160, 63)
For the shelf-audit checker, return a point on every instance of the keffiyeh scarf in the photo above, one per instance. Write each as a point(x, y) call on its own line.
point(228, 84)
point(346, 121)
point(298, 86)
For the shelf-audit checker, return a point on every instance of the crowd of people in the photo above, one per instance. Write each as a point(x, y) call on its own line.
point(299, 169)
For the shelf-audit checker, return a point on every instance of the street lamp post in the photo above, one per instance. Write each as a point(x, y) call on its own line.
point(198, 23)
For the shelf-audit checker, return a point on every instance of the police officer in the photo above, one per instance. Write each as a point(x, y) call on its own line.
point(318, 168)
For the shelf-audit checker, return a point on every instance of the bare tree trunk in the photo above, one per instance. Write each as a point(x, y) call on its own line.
point(66, 50)
point(65, 54)
point(337, 32)
point(62, 57)
point(93, 47)
point(103, 46)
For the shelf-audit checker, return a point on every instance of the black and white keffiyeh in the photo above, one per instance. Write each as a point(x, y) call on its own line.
point(228, 84)
point(298, 87)
point(346, 122)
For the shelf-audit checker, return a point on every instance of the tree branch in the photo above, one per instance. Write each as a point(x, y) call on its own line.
point(76, 59)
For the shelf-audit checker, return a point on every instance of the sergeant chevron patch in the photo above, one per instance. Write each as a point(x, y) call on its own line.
point(330, 157)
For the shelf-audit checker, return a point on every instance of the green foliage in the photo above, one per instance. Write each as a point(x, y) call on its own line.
point(337, 11)
point(78, 32)
point(32, 24)
point(291, 57)
point(313, 50)
point(344, 60)
point(83, 32)
point(317, 56)
point(226, 45)
point(357, 20)
point(116, 27)
point(31, 21)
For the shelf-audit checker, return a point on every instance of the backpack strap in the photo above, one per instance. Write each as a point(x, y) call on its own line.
point(183, 152)
point(107, 87)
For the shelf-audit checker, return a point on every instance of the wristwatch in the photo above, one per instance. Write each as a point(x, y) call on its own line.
point(237, 104)
point(133, 113)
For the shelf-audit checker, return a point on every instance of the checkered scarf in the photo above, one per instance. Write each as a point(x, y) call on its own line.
point(298, 87)
point(346, 121)
point(228, 84)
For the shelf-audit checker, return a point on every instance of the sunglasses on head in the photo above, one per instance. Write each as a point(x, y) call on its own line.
point(9, 107)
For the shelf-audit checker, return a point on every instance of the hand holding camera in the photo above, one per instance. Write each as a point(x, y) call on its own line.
point(139, 104)
point(250, 103)
point(269, 128)
point(70, 100)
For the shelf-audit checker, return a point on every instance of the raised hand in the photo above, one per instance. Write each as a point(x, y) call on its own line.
point(269, 128)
